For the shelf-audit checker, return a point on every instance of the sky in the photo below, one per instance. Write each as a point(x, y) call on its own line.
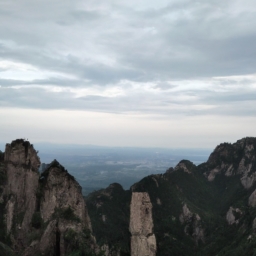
point(177, 73)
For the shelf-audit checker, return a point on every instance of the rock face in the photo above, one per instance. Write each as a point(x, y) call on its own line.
point(234, 159)
point(192, 223)
point(61, 191)
point(22, 177)
point(62, 206)
point(252, 199)
point(232, 215)
point(21, 153)
point(44, 214)
point(182, 166)
point(143, 241)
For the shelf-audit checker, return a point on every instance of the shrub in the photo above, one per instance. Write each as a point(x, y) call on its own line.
point(2, 174)
point(37, 220)
point(66, 213)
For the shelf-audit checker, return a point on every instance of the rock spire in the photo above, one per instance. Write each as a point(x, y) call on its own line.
point(143, 241)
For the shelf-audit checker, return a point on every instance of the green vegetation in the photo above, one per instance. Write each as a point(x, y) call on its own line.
point(4, 238)
point(35, 234)
point(109, 212)
point(1, 156)
point(65, 213)
point(6, 250)
point(78, 244)
point(54, 164)
point(19, 218)
point(37, 220)
point(210, 200)
point(2, 174)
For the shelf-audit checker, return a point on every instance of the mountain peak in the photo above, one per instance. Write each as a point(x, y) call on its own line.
point(21, 152)
point(186, 166)
point(40, 212)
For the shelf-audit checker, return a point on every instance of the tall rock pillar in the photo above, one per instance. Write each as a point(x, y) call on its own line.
point(143, 241)
point(22, 163)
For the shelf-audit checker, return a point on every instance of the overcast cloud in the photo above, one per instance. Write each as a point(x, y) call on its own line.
point(156, 60)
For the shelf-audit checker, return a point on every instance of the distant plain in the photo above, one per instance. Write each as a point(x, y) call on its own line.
point(95, 167)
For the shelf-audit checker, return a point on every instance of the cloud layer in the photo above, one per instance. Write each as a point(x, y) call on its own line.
point(165, 58)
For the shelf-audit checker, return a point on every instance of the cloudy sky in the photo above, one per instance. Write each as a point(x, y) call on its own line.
point(166, 73)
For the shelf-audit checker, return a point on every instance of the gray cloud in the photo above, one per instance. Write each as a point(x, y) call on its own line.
point(164, 86)
point(50, 81)
point(159, 47)
point(147, 100)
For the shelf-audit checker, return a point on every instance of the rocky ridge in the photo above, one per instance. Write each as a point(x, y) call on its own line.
point(234, 159)
point(21, 163)
point(43, 214)
point(207, 209)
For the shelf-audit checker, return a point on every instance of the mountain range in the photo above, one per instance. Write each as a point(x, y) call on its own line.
point(205, 209)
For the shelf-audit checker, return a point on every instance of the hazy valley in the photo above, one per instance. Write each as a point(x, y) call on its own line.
point(96, 167)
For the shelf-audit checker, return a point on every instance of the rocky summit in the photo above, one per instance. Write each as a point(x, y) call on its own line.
point(41, 214)
point(209, 209)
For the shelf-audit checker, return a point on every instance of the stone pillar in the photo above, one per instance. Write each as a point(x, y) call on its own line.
point(143, 241)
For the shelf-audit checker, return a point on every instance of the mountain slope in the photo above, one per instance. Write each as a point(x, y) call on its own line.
point(208, 209)
point(199, 210)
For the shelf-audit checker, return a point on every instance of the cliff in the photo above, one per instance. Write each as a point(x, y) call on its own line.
point(43, 214)
point(234, 159)
point(21, 162)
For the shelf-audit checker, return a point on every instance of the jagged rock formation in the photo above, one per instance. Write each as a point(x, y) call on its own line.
point(143, 241)
point(234, 159)
point(182, 166)
point(21, 162)
point(209, 209)
point(60, 191)
point(252, 199)
point(42, 214)
point(192, 223)
point(61, 205)
point(233, 215)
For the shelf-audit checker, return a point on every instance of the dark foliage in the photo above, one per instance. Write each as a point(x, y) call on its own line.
point(2, 174)
point(37, 220)
point(109, 212)
point(65, 213)
point(54, 164)
point(1, 156)
point(4, 237)
point(210, 200)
